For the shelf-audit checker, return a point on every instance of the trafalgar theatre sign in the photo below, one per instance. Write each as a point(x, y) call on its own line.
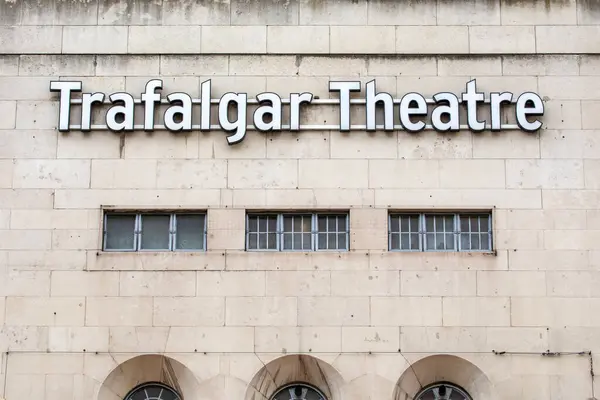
point(414, 112)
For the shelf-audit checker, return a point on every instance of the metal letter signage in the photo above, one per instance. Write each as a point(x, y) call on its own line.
point(237, 114)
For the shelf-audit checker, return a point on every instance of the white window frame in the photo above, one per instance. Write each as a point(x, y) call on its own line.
point(137, 231)
point(456, 233)
point(314, 231)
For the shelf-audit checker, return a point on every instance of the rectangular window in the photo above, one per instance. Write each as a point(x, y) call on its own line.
point(440, 232)
point(297, 232)
point(154, 231)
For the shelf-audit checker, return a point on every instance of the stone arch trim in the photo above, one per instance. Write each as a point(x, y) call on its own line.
point(444, 368)
point(296, 368)
point(149, 368)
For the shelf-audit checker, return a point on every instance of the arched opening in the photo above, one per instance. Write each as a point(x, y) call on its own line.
point(149, 377)
point(153, 391)
point(443, 391)
point(294, 376)
point(443, 377)
point(298, 391)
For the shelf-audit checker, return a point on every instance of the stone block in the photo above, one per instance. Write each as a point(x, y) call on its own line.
point(118, 311)
point(163, 39)
point(123, 12)
point(6, 167)
point(297, 339)
point(263, 65)
point(370, 339)
point(570, 200)
point(84, 145)
point(473, 174)
point(224, 239)
point(84, 283)
point(30, 39)
point(555, 312)
point(234, 39)
point(507, 144)
point(402, 65)
point(561, 114)
point(211, 339)
point(304, 145)
point(470, 12)
point(550, 260)
point(443, 339)
point(26, 385)
point(53, 65)
point(270, 12)
point(36, 12)
point(592, 179)
point(337, 12)
point(544, 174)
point(589, 65)
point(8, 110)
point(520, 239)
point(333, 174)
point(71, 239)
point(590, 114)
point(191, 174)
point(477, 66)
point(46, 364)
point(519, 13)
point(10, 15)
point(573, 283)
point(438, 283)
point(570, 87)
point(388, 174)
point(298, 283)
point(189, 311)
point(77, 339)
point(333, 311)
point(362, 39)
point(94, 40)
point(298, 39)
point(526, 65)
point(141, 339)
point(541, 219)
point(432, 40)
point(44, 311)
point(296, 261)
point(47, 260)
point(24, 283)
point(502, 39)
point(328, 66)
point(9, 65)
point(365, 283)
point(157, 283)
point(5, 224)
point(27, 144)
point(193, 65)
point(364, 145)
point(514, 84)
point(151, 198)
point(382, 12)
point(512, 284)
point(123, 174)
point(261, 311)
point(476, 311)
point(567, 39)
point(51, 174)
point(434, 145)
point(570, 144)
point(25, 239)
point(36, 115)
point(406, 311)
point(128, 65)
point(25, 88)
point(231, 283)
point(24, 338)
point(196, 13)
point(244, 174)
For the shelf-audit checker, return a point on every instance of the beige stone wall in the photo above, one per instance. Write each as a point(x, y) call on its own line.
point(377, 324)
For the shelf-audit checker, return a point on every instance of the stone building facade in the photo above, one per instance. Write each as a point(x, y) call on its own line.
point(519, 319)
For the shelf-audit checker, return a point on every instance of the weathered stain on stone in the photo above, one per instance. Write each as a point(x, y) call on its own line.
point(130, 12)
point(10, 12)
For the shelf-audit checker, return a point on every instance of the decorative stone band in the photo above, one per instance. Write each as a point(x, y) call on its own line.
point(413, 110)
